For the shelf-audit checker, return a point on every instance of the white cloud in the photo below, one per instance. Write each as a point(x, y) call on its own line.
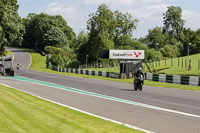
point(75, 17)
point(192, 19)
point(97, 2)
point(121, 2)
point(148, 12)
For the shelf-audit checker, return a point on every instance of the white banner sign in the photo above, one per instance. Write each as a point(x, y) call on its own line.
point(126, 54)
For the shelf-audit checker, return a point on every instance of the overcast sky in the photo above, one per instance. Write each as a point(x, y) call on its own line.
point(148, 12)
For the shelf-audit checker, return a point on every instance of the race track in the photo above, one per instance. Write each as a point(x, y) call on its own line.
point(162, 110)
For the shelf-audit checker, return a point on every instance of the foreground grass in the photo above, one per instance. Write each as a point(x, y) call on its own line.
point(23, 113)
point(38, 63)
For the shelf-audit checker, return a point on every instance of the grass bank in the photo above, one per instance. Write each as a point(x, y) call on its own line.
point(178, 66)
point(23, 113)
point(39, 64)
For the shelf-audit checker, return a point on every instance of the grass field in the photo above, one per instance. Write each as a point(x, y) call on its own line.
point(38, 63)
point(23, 113)
point(178, 66)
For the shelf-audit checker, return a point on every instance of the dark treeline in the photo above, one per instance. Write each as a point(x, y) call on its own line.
point(106, 29)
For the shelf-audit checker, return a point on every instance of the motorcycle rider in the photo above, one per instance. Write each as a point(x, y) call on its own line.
point(138, 73)
point(18, 66)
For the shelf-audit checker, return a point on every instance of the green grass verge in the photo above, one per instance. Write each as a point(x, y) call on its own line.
point(23, 113)
point(39, 64)
point(7, 53)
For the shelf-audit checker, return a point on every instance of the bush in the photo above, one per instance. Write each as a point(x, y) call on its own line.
point(60, 57)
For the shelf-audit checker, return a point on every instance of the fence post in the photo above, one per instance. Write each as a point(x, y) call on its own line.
point(182, 62)
point(189, 65)
point(171, 62)
point(199, 64)
point(185, 63)
point(178, 61)
point(159, 62)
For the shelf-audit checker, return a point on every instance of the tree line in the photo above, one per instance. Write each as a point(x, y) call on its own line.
point(106, 29)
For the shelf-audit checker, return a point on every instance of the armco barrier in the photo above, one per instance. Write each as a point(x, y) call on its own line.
point(199, 81)
point(87, 72)
point(176, 79)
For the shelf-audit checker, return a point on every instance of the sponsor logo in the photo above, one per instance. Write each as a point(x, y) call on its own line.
point(126, 54)
point(137, 54)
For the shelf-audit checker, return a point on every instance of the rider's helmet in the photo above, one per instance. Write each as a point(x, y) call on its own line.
point(140, 69)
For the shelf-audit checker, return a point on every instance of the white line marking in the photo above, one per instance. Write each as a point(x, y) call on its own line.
point(30, 60)
point(76, 109)
point(106, 97)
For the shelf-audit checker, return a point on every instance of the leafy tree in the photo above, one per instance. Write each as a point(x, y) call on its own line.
point(83, 51)
point(101, 26)
point(55, 37)
point(173, 22)
point(11, 25)
point(170, 51)
point(195, 48)
point(60, 57)
point(40, 26)
point(155, 38)
point(82, 39)
point(187, 37)
point(125, 25)
point(108, 30)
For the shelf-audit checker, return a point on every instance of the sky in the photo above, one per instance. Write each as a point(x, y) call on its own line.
point(148, 12)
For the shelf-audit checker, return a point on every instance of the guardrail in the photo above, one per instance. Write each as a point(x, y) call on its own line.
point(93, 73)
point(176, 79)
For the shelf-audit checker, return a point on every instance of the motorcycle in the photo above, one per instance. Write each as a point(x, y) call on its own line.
point(138, 82)
point(18, 66)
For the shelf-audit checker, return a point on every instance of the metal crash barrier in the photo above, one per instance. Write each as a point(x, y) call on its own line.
point(6, 68)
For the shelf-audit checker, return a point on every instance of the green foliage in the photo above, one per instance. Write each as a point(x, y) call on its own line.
point(195, 48)
point(125, 25)
point(60, 57)
point(172, 39)
point(81, 40)
point(186, 38)
point(101, 26)
point(43, 30)
point(82, 52)
point(107, 30)
point(173, 23)
point(156, 38)
point(170, 51)
point(11, 25)
point(74, 64)
point(55, 37)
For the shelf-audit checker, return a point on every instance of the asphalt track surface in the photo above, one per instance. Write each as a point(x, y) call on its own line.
point(162, 110)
